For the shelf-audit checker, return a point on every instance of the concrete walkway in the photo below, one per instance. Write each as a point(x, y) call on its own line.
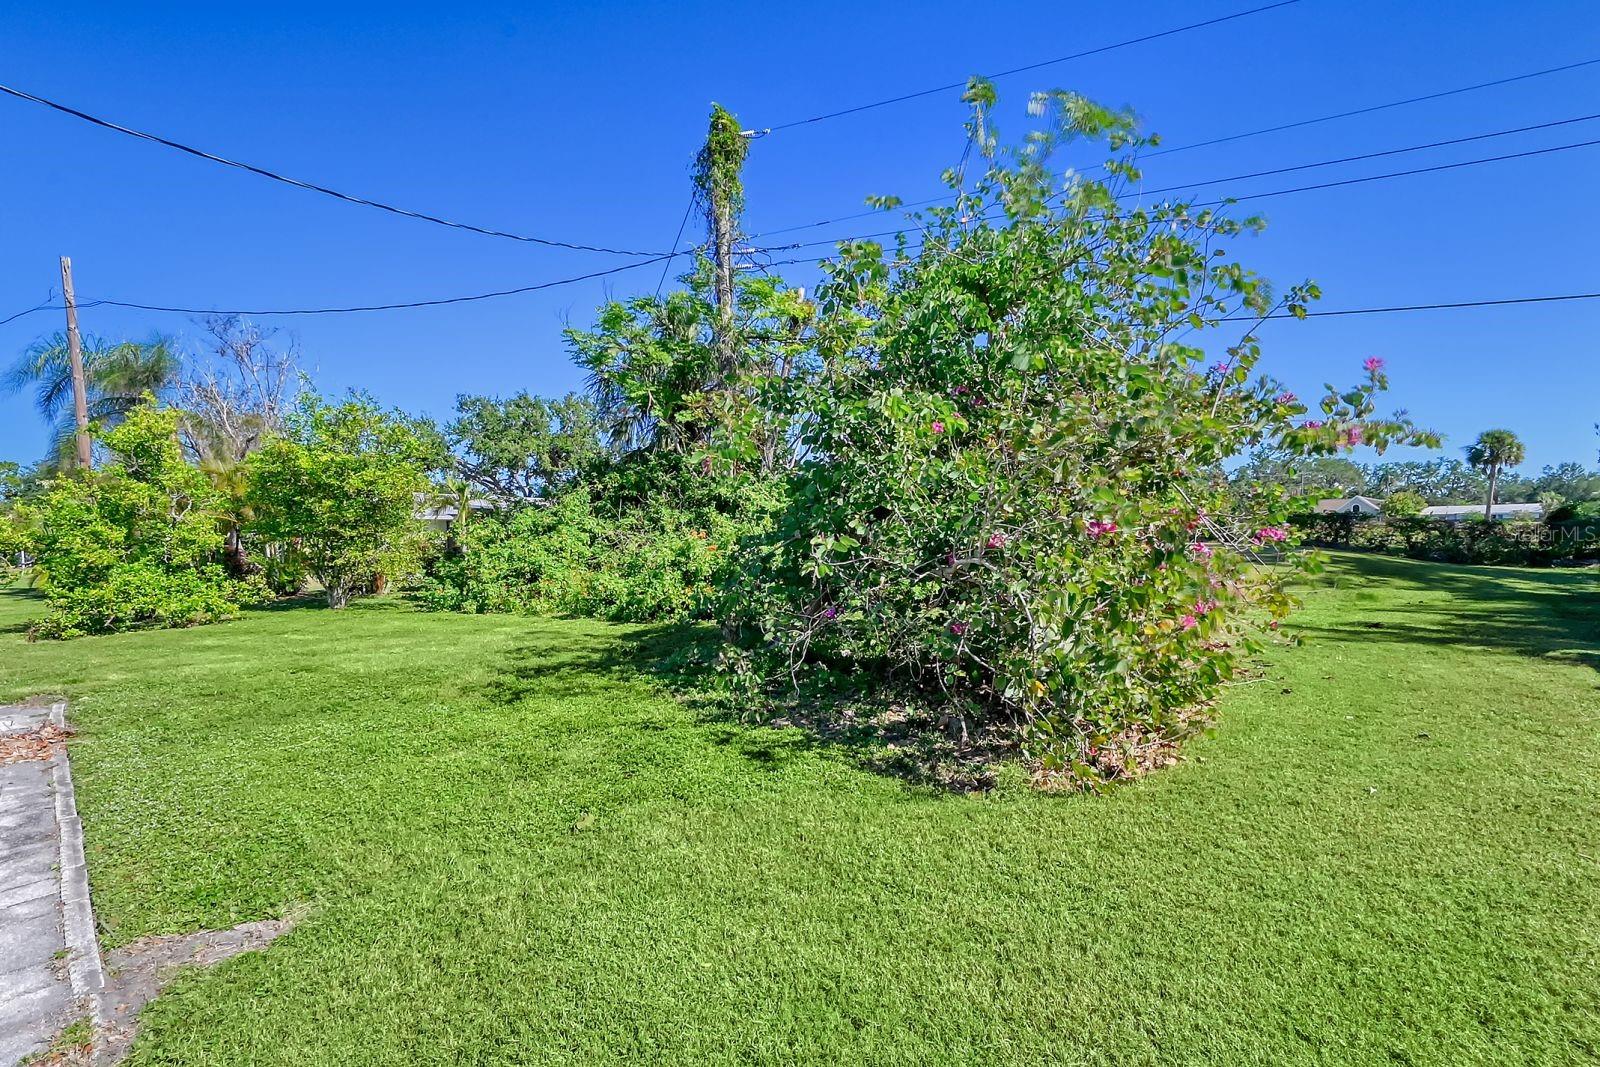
point(50, 971)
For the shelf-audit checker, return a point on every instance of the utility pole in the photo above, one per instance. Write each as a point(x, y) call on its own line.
point(717, 175)
point(80, 397)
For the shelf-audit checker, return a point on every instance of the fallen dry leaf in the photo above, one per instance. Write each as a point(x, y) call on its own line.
point(33, 745)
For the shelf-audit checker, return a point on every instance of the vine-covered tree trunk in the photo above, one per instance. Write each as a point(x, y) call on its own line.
point(717, 178)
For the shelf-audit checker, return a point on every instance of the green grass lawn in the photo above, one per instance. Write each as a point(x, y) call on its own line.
point(513, 850)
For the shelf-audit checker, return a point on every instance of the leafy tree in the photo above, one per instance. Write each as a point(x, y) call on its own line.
point(1312, 477)
point(1571, 481)
point(117, 377)
point(135, 543)
point(1492, 453)
point(1439, 481)
point(1006, 504)
point(14, 543)
point(17, 482)
point(525, 446)
point(341, 486)
point(1404, 505)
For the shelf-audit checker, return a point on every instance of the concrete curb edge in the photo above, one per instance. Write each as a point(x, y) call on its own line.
point(85, 968)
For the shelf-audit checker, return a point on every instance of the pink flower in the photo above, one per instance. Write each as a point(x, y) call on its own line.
point(958, 628)
point(937, 427)
point(1270, 533)
point(830, 612)
point(1312, 424)
point(997, 540)
point(1352, 436)
point(1194, 523)
point(958, 390)
point(1200, 549)
point(1204, 606)
point(1097, 528)
point(1288, 398)
point(1373, 364)
point(1188, 622)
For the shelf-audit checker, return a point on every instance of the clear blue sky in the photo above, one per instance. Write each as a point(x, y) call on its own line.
point(579, 121)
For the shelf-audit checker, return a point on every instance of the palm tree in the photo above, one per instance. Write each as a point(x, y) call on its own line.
point(1493, 452)
point(647, 360)
point(229, 479)
point(116, 376)
point(454, 492)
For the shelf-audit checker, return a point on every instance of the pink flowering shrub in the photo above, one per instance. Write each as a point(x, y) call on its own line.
point(1059, 561)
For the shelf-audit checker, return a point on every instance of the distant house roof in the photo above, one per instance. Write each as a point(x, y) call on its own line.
point(445, 512)
point(1348, 504)
point(1456, 511)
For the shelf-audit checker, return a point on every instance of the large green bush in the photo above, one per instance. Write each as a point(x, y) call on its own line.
point(1005, 506)
point(1516, 543)
point(137, 543)
point(650, 539)
point(339, 489)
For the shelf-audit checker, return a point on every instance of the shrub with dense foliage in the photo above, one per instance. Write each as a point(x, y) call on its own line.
point(649, 539)
point(339, 489)
point(136, 543)
point(1404, 505)
point(1564, 537)
point(648, 528)
point(1009, 502)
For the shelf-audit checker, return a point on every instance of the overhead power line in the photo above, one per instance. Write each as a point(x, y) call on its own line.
point(1133, 194)
point(46, 306)
point(1403, 173)
point(397, 306)
point(1373, 155)
point(688, 210)
point(1333, 313)
point(1378, 107)
point(1392, 309)
point(857, 109)
point(348, 198)
point(1453, 305)
point(1240, 136)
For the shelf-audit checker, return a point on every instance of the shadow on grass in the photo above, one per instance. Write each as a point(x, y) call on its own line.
point(1548, 614)
point(27, 603)
point(298, 602)
point(579, 665)
point(1542, 614)
point(880, 735)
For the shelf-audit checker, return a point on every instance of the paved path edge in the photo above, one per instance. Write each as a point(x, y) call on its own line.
point(85, 969)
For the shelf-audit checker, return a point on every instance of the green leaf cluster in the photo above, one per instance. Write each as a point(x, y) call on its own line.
point(134, 543)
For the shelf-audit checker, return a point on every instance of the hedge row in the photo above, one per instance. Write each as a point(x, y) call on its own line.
point(1472, 541)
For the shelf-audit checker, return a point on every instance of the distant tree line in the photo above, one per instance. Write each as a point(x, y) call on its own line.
point(1436, 481)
